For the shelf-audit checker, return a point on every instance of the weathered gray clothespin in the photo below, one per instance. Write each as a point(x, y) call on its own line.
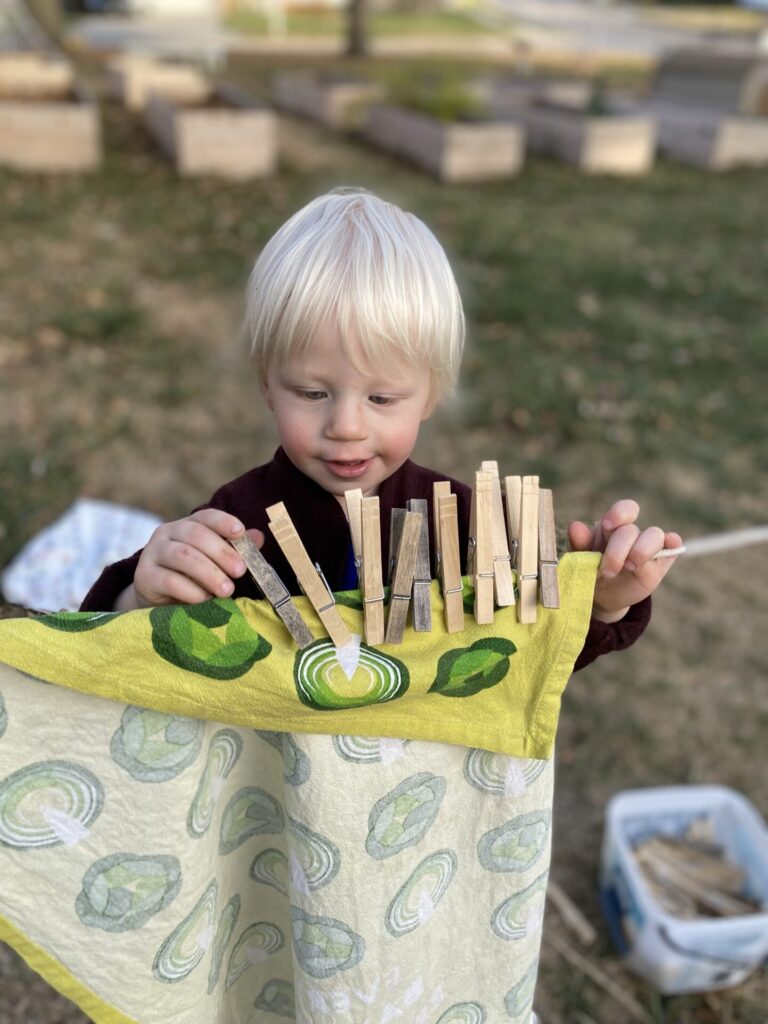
point(273, 588)
point(422, 577)
point(548, 583)
point(402, 576)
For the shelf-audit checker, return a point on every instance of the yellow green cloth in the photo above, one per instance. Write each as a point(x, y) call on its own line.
point(198, 825)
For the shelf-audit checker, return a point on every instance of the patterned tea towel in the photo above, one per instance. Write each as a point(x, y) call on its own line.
point(56, 568)
point(201, 825)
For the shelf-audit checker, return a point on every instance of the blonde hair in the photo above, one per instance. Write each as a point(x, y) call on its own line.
point(374, 270)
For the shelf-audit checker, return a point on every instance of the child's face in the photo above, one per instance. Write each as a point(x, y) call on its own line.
point(346, 425)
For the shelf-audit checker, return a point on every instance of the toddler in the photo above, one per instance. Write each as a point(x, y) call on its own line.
point(357, 332)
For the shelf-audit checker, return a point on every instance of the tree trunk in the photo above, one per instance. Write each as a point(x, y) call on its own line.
point(357, 44)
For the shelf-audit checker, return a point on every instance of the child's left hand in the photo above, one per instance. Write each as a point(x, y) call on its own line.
point(626, 574)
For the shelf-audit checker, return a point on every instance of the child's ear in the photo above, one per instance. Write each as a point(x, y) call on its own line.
point(264, 384)
point(429, 408)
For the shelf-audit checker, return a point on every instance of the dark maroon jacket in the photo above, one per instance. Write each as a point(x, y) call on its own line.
point(322, 526)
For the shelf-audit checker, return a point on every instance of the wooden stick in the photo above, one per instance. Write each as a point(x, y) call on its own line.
point(422, 576)
point(527, 558)
point(502, 565)
point(570, 914)
point(273, 588)
point(308, 575)
point(372, 583)
point(482, 531)
point(550, 590)
point(450, 566)
point(402, 579)
point(600, 978)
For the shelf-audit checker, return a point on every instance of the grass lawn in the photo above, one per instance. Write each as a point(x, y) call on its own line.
point(380, 23)
point(618, 347)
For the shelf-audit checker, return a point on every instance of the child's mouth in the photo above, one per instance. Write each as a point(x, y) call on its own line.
point(349, 468)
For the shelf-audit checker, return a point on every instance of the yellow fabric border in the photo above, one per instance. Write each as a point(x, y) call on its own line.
point(57, 975)
point(524, 728)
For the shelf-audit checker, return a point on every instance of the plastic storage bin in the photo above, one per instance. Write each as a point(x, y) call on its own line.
point(675, 954)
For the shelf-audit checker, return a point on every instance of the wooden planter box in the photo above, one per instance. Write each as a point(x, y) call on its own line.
point(710, 138)
point(607, 144)
point(134, 78)
point(508, 96)
point(336, 104)
point(451, 151)
point(735, 83)
point(229, 136)
point(25, 75)
point(52, 134)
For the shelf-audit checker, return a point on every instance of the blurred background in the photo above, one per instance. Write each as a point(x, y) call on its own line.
point(610, 243)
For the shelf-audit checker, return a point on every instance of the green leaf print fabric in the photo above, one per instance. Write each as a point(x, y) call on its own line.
point(183, 844)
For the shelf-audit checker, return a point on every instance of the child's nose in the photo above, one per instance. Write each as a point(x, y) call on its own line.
point(346, 422)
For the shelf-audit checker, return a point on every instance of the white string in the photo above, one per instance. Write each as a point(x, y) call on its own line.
point(718, 542)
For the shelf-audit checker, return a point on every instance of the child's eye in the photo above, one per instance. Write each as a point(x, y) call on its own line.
point(311, 396)
point(382, 399)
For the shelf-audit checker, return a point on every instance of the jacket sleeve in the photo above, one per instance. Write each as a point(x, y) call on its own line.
point(603, 637)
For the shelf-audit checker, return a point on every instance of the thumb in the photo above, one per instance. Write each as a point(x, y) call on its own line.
point(580, 536)
point(257, 537)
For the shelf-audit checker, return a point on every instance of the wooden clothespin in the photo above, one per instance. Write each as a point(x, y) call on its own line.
point(527, 556)
point(440, 489)
point(273, 588)
point(481, 546)
point(310, 577)
point(502, 566)
point(354, 500)
point(402, 577)
point(450, 566)
point(513, 487)
point(548, 584)
point(422, 576)
point(371, 580)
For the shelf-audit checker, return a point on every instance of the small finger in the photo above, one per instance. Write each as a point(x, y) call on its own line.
point(201, 537)
point(580, 536)
point(186, 560)
point(650, 541)
point(619, 514)
point(220, 522)
point(179, 589)
point(617, 549)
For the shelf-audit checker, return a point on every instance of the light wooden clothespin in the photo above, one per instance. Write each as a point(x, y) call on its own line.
point(450, 566)
point(273, 588)
point(548, 584)
point(513, 487)
point(371, 580)
point(422, 576)
point(481, 547)
point(440, 489)
point(353, 499)
point(527, 555)
point(402, 577)
point(310, 577)
point(502, 567)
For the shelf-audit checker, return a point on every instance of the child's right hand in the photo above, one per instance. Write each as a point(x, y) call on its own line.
point(188, 561)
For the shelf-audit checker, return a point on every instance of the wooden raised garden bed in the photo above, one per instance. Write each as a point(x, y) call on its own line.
point(711, 139)
point(228, 135)
point(134, 78)
point(608, 143)
point(336, 103)
point(49, 130)
point(453, 151)
point(31, 74)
